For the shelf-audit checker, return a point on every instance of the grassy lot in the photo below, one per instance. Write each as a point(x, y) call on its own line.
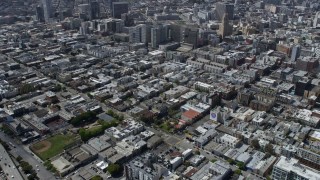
point(52, 146)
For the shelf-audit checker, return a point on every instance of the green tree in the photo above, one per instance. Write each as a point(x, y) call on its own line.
point(238, 171)
point(89, 95)
point(255, 144)
point(121, 118)
point(26, 88)
point(19, 159)
point(83, 118)
point(97, 177)
point(114, 169)
point(230, 161)
point(241, 165)
point(197, 152)
point(26, 167)
point(58, 87)
point(87, 134)
point(269, 149)
point(110, 112)
point(213, 160)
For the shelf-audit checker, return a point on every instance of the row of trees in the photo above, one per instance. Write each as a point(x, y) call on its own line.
point(87, 134)
point(115, 115)
point(50, 167)
point(83, 118)
point(97, 177)
point(26, 88)
point(27, 168)
point(5, 145)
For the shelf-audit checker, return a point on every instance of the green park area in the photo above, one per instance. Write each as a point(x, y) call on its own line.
point(52, 146)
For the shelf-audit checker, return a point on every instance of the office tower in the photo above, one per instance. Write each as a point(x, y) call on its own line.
point(222, 8)
point(39, 14)
point(295, 53)
point(190, 36)
point(84, 29)
point(84, 10)
point(94, 10)
point(47, 9)
point(316, 20)
point(119, 8)
point(175, 32)
point(164, 33)
point(128, 21)
point(159, 34)
point(225, 29)
point(138, 34)
point(110, 2)
point(155, 37)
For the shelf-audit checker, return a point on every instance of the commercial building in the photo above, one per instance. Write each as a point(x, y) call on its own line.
point(138, 34)
point(47, 9)
point(225, 29)
point(286, 169)
point(223, 8)
point(143, 167)
point(217, 170)
point(119, 8)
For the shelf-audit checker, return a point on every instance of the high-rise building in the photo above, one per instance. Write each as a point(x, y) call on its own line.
point(295, 53)
point(39, 14)
point(110, 2)
point(159, 34)
point(223, 8)
point(316, 20)
point(94, 10)
point(190, 36)
point(119, 8)
point(138, 34)
point(84, 11)
point(175, 32)
point(84, 29)
point(47, 9)
point(155, 37)
point(225, 29)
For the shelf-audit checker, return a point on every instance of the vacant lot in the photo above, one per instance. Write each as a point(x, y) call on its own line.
point(52, 146)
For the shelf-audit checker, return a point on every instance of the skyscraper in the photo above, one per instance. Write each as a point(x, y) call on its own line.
point(94, 10)
point(225, 29)
point(222, 8)
point(84, 11)
point(190, 36)
point(155, 37)
point(39, 14)
point(159, 34)
point(316, 20)
point(138, 34)
point(119, 8)
point(47, 9)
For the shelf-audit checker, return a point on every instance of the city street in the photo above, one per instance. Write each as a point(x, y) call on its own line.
point(8, 166)
point(19, 150)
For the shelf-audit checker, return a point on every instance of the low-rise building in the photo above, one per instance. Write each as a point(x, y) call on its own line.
point(289, 168)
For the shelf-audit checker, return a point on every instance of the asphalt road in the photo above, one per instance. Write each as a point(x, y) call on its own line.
point(8, 166)
point(19, 150)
